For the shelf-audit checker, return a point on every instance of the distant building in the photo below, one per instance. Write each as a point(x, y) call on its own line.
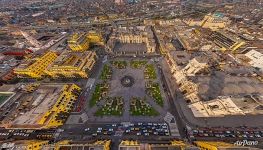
point(23, 145)
point(194, 66)
point(87, 145)
point(256, 59)
point(7, 64)
point(72, 65)
point(156, 145)
point(213, 22)
point(78, 42)
point(119, 2)
point(95, 38)
point(212, 145)
point(35, 67)
point(40, 106)
point(227, 41)
point(132, 40)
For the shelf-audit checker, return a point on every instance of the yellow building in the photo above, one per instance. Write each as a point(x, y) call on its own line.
point(173, 145)
point(78, 42)
point(209, 21)
point(58, 114)
point(41, 106)
point(98, 145)
point(126, 144)
point(227, 41)
point(72, 65)
point(24, 145)
point(95, 38)
point(35, 68)
point(205, 145)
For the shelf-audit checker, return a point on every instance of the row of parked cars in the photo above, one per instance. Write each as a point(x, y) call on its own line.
point(26, 134)
point(248, 133)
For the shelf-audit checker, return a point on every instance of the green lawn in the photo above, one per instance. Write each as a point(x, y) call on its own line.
point(97, 94)
point(119, 64)
point(155, 92)
point(113, 109)
point(140, 109)
point(149, 72)
point(138, 64)
point(106, 72)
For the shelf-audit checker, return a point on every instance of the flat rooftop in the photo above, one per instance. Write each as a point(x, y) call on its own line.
point(130, 47)
point(24, 109)
point(221, 84)
point(43, 100)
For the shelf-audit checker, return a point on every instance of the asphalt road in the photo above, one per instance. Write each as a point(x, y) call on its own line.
point(180, 123)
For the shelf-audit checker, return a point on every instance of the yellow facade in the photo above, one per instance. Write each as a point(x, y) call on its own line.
point(25, 145)
point(63, 105)
point(37, 68)
point(131, 38)
point(173, 144)
point(57, 145)
point(72, 65)
point(78, 42)
point(227, 42)
point(95, 38)
point(100, 144)
point(181, 144)
point(209, 21)
point(104, 143)
point(236, 46)
point(129, 143)
point(36, 145)
point(204, 145)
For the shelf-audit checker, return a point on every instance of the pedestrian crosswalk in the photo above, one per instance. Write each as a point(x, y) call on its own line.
point(170, 120)
point(168, 117)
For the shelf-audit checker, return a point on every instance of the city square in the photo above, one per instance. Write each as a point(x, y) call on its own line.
point(137, 83)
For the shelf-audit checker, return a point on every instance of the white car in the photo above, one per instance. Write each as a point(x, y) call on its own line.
point(258, 136)
point(94, 134)
point(146, 134)
point(164, 127)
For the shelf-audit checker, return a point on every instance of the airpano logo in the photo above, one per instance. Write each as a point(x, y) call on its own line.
point(246, 143)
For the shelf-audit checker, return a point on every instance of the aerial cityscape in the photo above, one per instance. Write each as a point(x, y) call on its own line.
point(131, 74)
